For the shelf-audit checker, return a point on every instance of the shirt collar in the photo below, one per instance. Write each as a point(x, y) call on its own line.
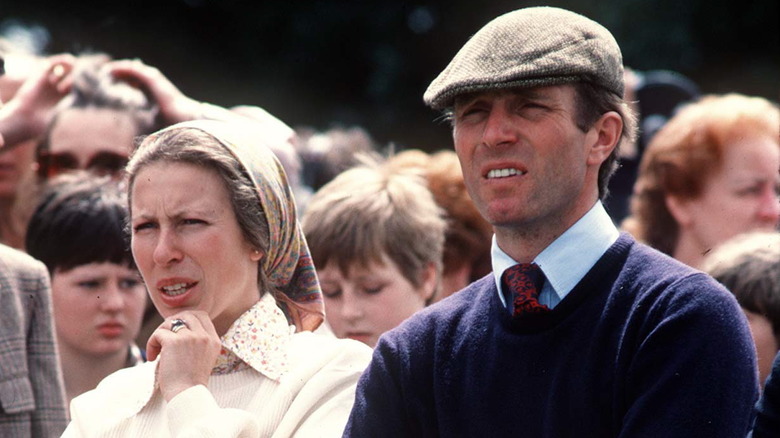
point(259, 338)
point(569, 257)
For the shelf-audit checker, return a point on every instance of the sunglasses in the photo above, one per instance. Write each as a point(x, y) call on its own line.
point(102, 163)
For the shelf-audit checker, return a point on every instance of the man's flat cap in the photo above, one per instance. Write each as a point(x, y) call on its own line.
point(531, 47)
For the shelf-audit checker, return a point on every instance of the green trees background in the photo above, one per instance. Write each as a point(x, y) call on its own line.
point(316, 63)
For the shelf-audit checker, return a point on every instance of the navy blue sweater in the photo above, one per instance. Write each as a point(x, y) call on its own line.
point(643, 346)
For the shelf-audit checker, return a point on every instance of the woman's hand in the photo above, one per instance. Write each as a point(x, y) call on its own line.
point(187, 356)
point(28, 113)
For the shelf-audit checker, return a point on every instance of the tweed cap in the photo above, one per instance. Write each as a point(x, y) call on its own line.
point(531, 47)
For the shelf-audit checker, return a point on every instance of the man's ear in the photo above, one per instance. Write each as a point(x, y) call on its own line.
point(679, 209)
point(605, 135)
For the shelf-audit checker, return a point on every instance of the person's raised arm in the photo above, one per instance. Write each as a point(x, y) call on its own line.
point(28, 113)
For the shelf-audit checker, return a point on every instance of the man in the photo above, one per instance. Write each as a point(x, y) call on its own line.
point(622, 340)
point(32, 401)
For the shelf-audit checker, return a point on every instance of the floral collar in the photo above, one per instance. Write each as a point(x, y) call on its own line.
point(257, 339)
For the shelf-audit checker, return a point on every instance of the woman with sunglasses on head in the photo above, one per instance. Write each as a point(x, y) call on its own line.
point(215, 235)
point(94, 127)
point(78, 232)
point(91, 127)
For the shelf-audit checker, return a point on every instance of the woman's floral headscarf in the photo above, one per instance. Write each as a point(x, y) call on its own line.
point(287, 262)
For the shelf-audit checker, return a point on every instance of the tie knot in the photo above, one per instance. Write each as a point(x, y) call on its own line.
point(524, 282)
point(528, 273)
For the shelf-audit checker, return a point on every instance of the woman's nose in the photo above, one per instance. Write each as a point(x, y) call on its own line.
point(166, 250)
point(769, 208)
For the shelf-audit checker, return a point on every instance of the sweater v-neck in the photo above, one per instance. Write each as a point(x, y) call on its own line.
point(587, 289)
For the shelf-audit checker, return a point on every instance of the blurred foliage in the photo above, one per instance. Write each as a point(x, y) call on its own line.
point(319, 63)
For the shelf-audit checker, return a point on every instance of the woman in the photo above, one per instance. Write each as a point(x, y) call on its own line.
point(709, 174)
point(215, 236)
point(376, 237)
point(78, 232)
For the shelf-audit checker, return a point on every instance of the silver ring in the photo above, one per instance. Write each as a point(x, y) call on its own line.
point(178, 324)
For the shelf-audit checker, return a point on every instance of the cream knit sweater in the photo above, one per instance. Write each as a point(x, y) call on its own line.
point(313, 399)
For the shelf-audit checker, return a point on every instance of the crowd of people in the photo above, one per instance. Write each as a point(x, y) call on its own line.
point(170, 267)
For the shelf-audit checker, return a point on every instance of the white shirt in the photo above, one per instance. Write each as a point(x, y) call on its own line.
point(568, 258)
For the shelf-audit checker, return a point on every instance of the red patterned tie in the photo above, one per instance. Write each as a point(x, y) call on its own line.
point(525, 281)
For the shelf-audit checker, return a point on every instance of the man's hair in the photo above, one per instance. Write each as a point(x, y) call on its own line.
point(686, 153)
point(370, 211)
point(592, 102)
point(749, 266)
point(80, 219)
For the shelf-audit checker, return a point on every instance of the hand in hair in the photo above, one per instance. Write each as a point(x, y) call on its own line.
point(174, 105)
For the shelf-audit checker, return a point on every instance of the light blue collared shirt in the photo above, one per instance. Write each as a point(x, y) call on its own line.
point(566, 261)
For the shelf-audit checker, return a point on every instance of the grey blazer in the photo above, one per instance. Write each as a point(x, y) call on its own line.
point(32, 400)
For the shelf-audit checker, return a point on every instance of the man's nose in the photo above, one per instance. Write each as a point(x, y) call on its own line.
point(499, 129)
